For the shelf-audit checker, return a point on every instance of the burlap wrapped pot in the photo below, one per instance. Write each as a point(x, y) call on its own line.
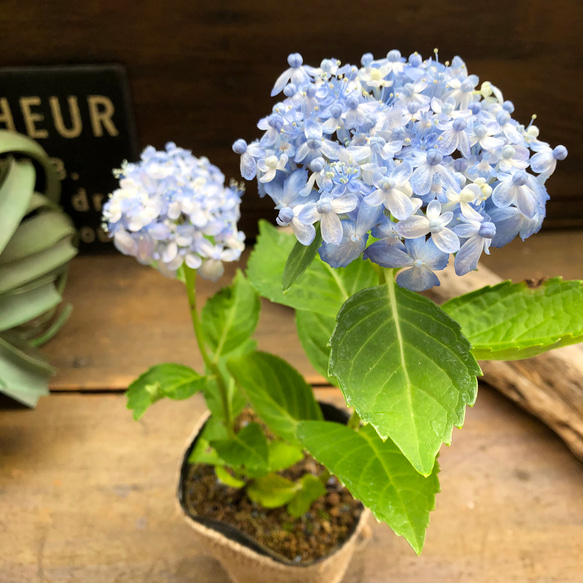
point(246, 561)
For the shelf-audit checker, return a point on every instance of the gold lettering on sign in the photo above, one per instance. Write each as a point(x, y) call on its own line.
point(97, 201)
point(80, 201)
point(102, 235)
point(87, 234)
point(31, 118)
point(59, 166)
point(76, 125)
point(101, 110)
point(6, 115)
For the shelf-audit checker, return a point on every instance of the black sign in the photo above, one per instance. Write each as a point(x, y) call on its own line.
point(81, 115)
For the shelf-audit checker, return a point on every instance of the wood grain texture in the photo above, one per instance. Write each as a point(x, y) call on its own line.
point(87, 495)
point(128, 317)
point(201, 72)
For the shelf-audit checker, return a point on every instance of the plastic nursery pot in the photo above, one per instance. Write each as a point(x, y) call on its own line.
point(247, 561)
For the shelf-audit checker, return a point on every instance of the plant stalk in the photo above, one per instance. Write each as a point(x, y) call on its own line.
point(190, 279)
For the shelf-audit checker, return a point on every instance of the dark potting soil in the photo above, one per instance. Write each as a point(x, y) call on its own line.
point(329, 522)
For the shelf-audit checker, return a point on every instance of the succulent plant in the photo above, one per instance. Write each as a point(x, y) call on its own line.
point(37, 241)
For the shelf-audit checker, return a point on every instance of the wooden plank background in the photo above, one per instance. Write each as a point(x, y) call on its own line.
point(201, 71)
point(87, 496)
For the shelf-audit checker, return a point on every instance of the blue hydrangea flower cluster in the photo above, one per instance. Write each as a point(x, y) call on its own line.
point(411, 152)
point(172, 209)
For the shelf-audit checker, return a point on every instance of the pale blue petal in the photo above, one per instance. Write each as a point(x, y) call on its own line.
point(417, 279)
point(467, 257)
point(387, 255)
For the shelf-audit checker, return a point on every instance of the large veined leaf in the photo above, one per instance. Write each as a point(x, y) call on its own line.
point(377, 473)
point(18, 308)
point(514, 320)
point(320, 289)
point(15, 193)
point(405, 367)
point(315, 331)
point(230, 316)
point(27, 269)
point(278, 393)
point(36, 234)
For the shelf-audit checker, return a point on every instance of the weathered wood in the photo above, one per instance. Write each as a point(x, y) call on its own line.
point(549, 386)
point(87, 495)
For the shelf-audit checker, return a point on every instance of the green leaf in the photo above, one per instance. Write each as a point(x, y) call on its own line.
point(23, 271)
point(272, 490)
point(12, 143)
point(247, 449)
point(299, 259)
point(36, 234)
point(315, 331)
point(15, 193)
point(311, 489)
point(278, 393)
point(18, 308)
point(230, 316)
point(377, 473)
point(228, 479)
point(321, 289)
point(513, 321)
point(24, 375)
point(203, 452)
point(405, 367)
point(235, 396)
point(283, 455)
point(174, 381)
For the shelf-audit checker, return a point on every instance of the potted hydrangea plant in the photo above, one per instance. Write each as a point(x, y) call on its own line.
point(383, 173)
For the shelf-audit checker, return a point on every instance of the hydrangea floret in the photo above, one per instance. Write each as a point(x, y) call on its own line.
point(418, 141)
point(173, 209)
point(381, 173)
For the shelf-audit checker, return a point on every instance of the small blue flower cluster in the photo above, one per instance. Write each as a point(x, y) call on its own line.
point(409, 151)
point(173, 209)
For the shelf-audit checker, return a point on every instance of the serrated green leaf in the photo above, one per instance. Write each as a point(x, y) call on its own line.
point(18, 308)
point(405, 367)
point(228, 479)
point(315, 331)
point(377, 473)
point(174, 381)
point(13, 143)
point(321, 288)
point(299, 259)
point(23, 271)
point(311, 488)
point(283, 455)
point(15, 193)
point(203, 452)
point(247, 449)
point(272, 490)
point(511, 321)
point(230, 316)
point(277, 392)
point(36, 234)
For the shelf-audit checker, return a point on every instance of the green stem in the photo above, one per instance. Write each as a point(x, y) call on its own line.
point(190, 279)
point(354, 421)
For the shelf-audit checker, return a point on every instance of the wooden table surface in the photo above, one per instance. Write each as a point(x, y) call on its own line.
point(87, 494)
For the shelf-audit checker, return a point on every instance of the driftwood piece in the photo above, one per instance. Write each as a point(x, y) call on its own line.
point(550, 386)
